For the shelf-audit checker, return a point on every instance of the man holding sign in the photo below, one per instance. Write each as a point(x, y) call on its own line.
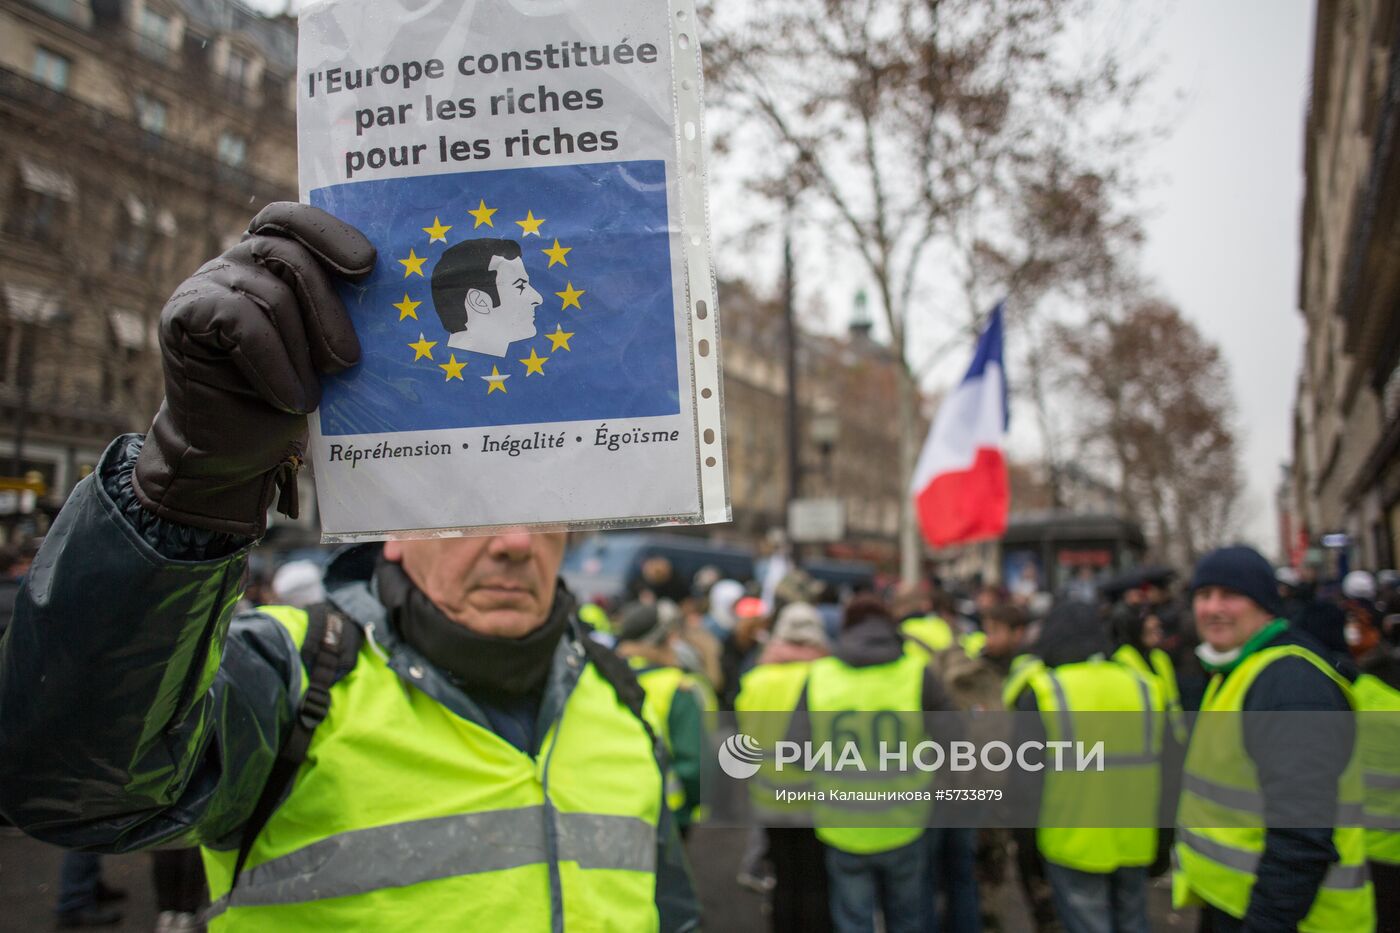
point(475, 762)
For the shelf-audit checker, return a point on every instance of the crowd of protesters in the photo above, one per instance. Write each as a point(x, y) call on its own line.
point(710, 643)
point(982, 647)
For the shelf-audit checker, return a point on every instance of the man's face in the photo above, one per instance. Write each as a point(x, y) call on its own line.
point(1225, 620)
point(1151, 632)
point(518, 300)
point(501, 586)
point(1002, 639)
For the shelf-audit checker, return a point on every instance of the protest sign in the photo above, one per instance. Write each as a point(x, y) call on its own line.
point(539, 335)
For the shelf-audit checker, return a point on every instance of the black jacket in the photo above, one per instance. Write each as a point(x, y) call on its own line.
point(136, 710)
point(1297, 761)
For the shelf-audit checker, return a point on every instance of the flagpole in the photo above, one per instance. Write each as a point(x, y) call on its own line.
point(794, 474)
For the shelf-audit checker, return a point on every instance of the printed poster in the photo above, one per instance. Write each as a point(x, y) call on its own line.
point(539, 335)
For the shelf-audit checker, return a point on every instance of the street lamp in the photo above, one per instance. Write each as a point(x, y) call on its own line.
point(824, 428)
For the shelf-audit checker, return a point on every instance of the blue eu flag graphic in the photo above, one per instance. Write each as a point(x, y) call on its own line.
point(508, 297)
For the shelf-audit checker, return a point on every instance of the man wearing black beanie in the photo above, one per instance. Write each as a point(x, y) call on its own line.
point(1268, 834)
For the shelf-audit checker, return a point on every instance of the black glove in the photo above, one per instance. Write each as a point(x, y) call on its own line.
point(242, 341)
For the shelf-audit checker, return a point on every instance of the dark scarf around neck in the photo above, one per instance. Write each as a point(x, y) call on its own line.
point(484, 665)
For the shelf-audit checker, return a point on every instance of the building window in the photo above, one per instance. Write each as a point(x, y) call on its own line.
point(238, 69)
point(71, 10)
point(239, 76)
point(121, 361)
point(153, 35)
point(233, 149)
point(133, 248)
point(150, 114)
point(139, 235)
point(51, 69)
point(39, 207)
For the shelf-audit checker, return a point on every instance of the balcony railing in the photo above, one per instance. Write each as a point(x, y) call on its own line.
point(124, 134)
point(73, 11)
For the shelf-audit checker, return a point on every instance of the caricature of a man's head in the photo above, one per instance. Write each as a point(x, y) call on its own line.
point(483, 296)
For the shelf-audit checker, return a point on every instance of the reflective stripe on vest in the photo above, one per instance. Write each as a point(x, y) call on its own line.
point(1158, 666)
point(1099, 821)
point(1220, 817)
point(403, 854)
point(881, 698)
point(1023, 668)
point(405, 810)
point(1378, 738)
point(768, 696)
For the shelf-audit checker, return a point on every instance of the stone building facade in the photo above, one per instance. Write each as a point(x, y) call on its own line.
point(850, 382)
point(138, 138)
point(1346, 458)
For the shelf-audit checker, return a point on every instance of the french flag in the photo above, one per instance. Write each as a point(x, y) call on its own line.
point(959, 487)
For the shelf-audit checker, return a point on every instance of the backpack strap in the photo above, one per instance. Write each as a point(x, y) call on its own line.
point(328, 653)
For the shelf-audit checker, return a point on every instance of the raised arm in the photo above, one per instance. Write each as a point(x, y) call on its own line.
point(133, 710)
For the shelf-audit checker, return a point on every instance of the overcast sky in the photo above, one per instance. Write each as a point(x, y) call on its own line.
point(1223, 228)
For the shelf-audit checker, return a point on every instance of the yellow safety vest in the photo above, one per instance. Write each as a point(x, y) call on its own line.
point(863, 708)
point(972, 643)
point(1220, 817)
point(763, 710)
point(1100, 821)
point(660, 685)
point(407, 816)
point(596, 616)
point(930, 631)
point(1158, 665)
point(1378, 740)
point(1023, 668)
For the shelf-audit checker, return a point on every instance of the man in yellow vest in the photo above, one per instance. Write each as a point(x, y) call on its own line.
point(768, 697)
point(918, 620)
point(1268, 833)
point(1097, 829)
point(1377, 693)
point(882, 867)
point(678, 701)
point(477, 762)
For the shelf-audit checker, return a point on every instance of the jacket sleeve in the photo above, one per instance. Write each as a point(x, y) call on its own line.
point(677, 906)
point(1027, 787)
point(134, 711)
point(1298, 774)
point(687, 728)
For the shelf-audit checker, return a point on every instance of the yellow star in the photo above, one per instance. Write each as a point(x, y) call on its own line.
point(559, 338)
point(437, 233)
point(483, 216)
point(408, 308)
point(422, 348)
point(530, 226)
point(452, 368)
point(413, 265)
point(495, 382)
point(535, 364)
point(571, 296)
point(556, 254)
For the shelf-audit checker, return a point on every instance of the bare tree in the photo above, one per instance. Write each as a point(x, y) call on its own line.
point(1153, 402)
point(923, 129)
